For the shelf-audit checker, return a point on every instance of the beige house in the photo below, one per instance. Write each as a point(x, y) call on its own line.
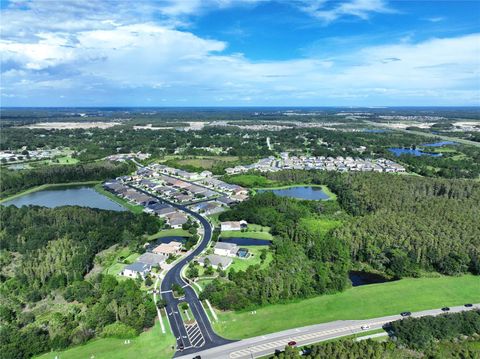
point(168, 248)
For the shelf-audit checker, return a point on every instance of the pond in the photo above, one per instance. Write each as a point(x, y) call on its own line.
point(359, 278)
point(300, 192)
point(66, 196)
point(408, 151)
point(439, 144)
point(242, 241)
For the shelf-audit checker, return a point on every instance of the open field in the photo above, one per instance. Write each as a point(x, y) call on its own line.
point(207, 162)
point(48, 186)
point(170, 233)
point(320, 225)
point(131, 207)
point(71, 125)
point(363, 302)
point(151, 344)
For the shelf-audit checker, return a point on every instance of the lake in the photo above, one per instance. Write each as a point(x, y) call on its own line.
point(408, 151)
point(242, 241)
point(300, 192)
point(66, 196)
point(359, 278)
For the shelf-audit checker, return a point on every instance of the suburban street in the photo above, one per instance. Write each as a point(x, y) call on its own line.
point(199, 336)
point(267, 344)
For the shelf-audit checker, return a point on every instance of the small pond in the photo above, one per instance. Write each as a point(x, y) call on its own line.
point(359, 278)
point(408, 151)
point(242, 241)
point(66, 196)
point(439, 144)
point(300, 192)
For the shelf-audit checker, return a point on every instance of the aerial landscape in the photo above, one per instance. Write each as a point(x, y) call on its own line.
point(233, 179)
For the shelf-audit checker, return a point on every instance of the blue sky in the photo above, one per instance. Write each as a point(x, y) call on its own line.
point(240, 53)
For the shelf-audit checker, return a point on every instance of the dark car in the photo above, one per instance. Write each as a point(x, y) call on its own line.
point(181, 347)
point(468, 305)
point(292, 343)
point(445, 309)
point(197, 357)
point(406, 314)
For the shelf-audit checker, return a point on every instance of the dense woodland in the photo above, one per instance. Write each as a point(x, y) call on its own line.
point(45, 255)
point(401, 225)
point(12, 182)
point(305, 262)
point(445, 336)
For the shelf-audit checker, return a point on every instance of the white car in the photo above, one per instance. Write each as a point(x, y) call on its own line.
point(365, 327)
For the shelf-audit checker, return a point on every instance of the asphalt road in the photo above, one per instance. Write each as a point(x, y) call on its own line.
point(267, 344)
point(201, 336)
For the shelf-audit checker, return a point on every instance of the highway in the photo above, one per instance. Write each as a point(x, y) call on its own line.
point(199, 336)
point(267, 344)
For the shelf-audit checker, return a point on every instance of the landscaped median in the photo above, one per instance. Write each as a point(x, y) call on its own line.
point(370, 301)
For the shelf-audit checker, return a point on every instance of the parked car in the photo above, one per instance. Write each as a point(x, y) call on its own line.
point(181, 347)
point(292, 343)
point(468, 305)
point(406, 314)
point(365, 327)
point(445, 309)
point(197, 357)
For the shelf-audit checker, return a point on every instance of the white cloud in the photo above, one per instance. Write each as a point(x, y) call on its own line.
point(328, 12)
point(115, 61)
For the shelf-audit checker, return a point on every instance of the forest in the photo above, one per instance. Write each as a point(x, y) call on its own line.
point(12, 182)
point(401, 225)
point(305, 263)
point(44, 258)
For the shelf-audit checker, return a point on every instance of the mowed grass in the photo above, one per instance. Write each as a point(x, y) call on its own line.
point(370, 301)
point(152, 344)
point(178, 232)
point(243, 264)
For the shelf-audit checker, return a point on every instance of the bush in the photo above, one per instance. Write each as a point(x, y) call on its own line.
point(118, 330)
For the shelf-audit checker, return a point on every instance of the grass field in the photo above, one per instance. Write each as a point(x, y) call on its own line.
point(363, 302)
point(242, 264)
point(151, 344)
point(320, 225)
point(131, 207)
point(207, 162)
point(249, 180)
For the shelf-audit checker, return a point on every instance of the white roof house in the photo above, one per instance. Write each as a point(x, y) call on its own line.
point(233, 225)
point(225, 249)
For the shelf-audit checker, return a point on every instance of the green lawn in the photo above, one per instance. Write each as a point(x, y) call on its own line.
point(247, 234)
point(363, 302)
point(116, 267)
point(151, 344)
point(242, 264)
point(131, 207)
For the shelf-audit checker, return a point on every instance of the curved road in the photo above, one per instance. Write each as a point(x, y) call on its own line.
point(197, 337)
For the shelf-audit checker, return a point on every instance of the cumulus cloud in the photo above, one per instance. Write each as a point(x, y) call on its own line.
point(328, 12)
point(117, 61)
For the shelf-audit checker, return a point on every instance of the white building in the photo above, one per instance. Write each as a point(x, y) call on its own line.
point(234, 225)
point(225, 249)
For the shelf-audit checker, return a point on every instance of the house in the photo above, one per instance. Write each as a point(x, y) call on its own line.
point(225, 200)
point(225, 249)
point(216, 261)
point(176, 220)
point(233, 226)
point(167, 249)
point(165, 211)
point(152, 259)
point(136, 269)
point(206, 174)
